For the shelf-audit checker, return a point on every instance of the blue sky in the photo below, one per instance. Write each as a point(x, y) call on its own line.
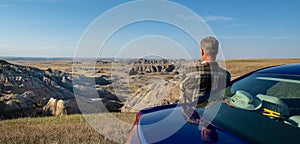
point(246, 29)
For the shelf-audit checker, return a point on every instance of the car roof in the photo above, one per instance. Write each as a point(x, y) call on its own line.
point(290, 69)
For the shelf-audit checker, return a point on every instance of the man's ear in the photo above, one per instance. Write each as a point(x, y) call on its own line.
point(201, 52)
point(203, 56)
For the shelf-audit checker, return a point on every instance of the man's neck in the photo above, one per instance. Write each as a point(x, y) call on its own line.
point(208, 59)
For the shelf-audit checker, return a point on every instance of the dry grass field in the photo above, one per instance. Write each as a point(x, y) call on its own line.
point(65, 129)
point(240, 67)
point(74, 128)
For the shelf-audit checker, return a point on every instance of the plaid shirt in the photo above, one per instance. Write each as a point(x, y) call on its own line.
point(201, 78)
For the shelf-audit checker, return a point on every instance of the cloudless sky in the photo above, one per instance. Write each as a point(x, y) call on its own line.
point(246, 29)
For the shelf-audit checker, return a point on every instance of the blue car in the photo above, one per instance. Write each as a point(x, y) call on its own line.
point(260, 107)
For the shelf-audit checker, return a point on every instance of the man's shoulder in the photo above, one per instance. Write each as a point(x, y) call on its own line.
point(197, 66)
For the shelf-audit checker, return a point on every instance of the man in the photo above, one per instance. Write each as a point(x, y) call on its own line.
point(201, 78)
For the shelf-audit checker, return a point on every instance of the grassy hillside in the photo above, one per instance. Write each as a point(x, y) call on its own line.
point(66, 129)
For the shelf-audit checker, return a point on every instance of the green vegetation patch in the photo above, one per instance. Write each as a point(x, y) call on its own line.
point(65, 129)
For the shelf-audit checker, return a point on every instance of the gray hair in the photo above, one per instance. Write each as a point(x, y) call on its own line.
point(210, 46)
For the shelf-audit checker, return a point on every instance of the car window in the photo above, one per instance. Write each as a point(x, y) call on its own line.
point(285, 90)
point(279, 86)
point(274, 96)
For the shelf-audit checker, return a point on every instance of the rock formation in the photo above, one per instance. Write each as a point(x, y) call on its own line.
point(158, 92)
point(28, 91)
point(24, 91)
point(142, 66)
point(60, 107)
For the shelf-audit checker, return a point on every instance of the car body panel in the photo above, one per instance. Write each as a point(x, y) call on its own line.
point(291, 69)
point(169, 126)
point(255, 128)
